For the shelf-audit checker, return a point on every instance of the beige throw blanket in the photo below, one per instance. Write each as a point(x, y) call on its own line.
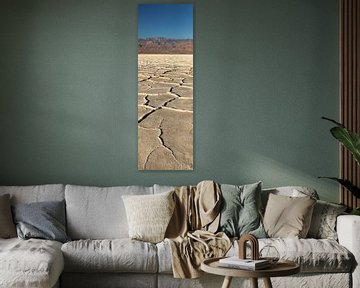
point(191, 231)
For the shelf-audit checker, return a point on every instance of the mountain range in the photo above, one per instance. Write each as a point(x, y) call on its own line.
point(165, 46)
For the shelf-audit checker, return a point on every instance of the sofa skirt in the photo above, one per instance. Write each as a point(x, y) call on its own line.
point(134, 280)
point(308, 280)
point(108, 280)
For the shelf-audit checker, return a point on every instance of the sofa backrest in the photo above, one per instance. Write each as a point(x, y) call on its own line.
point(163, 188)
point(98, 212)
point(36, 193)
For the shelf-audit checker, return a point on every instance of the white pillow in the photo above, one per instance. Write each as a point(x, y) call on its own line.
point(149, 215)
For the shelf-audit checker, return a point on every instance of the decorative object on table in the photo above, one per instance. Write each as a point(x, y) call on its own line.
point(269, 253)
point(165, 87)
point(241, 261)
point(351, 141)
point(254, 246)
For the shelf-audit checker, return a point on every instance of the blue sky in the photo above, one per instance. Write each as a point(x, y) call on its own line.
point(165, 20)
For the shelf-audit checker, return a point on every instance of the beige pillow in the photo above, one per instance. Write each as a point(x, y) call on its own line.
point(149, 215)
point(7, 226)
point(288, 217)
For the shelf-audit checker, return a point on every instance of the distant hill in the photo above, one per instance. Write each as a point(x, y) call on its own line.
point(165, 46)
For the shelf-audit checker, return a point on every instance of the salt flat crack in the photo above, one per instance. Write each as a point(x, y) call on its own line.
point(171, 100)
point(148, 156)
point(163, 142)
point(147, 101)
point(143, 80)
point(171, 91)
point(147, 114)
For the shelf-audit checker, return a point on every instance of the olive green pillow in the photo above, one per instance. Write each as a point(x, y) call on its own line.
point(288, 217)
point(7, 226)
point(240, 213)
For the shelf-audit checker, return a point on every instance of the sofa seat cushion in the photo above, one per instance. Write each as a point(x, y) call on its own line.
point(30, 263)
point(313, 255)
point(115, 255)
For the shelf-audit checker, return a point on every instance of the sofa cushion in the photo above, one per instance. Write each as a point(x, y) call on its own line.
point(30, 263)
point(164, 257)
point(7, 226)
point(240, 210)
point(323, 222)
point(313, 255)
point(287, 216)
point(36, 193)
point(149, 215)
point(98, 213)
point(43, 220)
point(117, 255)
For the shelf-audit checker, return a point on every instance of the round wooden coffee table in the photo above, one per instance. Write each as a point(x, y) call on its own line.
point(281, 268)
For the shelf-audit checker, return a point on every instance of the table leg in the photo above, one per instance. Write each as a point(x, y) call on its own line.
point(254, 282)
point(267, 283)
point(227, 282)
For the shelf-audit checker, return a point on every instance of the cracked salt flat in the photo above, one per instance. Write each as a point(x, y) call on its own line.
point(165, 112)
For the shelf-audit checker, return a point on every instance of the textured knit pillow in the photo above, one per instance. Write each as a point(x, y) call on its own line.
point(149, 215)
point(323, 222)
point(288, 217)
point(7, 226)
point(43, 220)
point(240, 213)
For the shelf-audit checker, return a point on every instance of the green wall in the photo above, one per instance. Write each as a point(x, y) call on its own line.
point(265, 73)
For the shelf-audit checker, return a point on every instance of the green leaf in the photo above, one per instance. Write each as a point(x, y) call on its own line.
point(355, 211)
point(347, 184)
point(333, 121)
point(348, 138)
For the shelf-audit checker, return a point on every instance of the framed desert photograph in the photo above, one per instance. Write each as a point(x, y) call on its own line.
point(165, 86)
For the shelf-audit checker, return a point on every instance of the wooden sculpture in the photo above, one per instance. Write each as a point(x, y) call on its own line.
point(254, 246)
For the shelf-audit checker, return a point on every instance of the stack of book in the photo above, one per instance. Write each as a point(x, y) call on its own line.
point(248, 264)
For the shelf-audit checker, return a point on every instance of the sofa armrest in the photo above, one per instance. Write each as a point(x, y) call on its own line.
point(348, 230)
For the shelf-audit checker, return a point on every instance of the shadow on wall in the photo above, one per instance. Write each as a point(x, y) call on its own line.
point(274, 173)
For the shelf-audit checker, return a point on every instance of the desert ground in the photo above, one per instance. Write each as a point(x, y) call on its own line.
point(165, 112)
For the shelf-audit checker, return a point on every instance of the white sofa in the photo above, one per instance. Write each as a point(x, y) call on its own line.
point(101, 255)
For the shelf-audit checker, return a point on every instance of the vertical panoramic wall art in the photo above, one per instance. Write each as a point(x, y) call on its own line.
point(165, 87)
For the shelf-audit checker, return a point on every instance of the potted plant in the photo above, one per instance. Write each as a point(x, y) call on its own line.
point(351, 141)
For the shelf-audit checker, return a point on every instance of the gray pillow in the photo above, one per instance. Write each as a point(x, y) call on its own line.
point(44, 220)
point(323, 222)
point(240, 213)
point(7, 227)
